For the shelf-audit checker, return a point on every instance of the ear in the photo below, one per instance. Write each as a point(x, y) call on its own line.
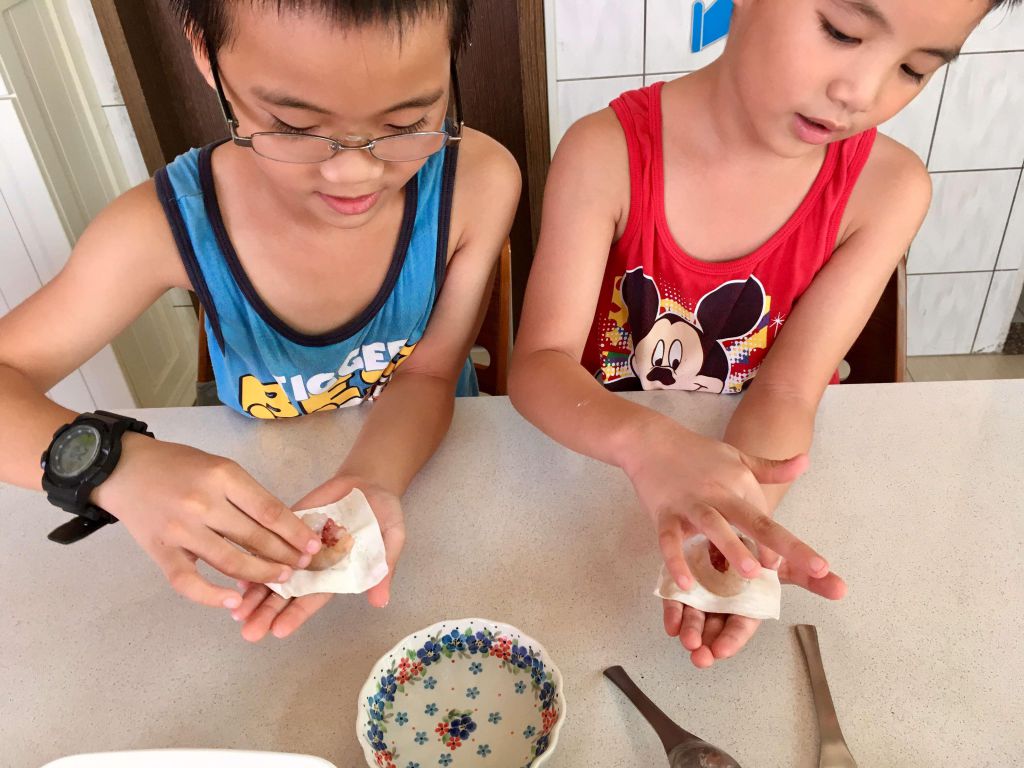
point(640, 295)
point(202, 60)
point(732, 310)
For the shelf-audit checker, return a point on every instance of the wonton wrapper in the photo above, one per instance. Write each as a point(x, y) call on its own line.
point(729, 592)
point(363, 567)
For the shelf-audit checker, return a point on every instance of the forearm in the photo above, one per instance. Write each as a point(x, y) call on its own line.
point(30, 419)
point(772, 425)
point(403, 430)
point(560, 398)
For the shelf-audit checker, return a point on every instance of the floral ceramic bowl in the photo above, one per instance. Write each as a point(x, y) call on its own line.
point(464, 694)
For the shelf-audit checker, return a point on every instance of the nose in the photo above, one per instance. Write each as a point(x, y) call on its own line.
point(857, 91)
point(351, 168)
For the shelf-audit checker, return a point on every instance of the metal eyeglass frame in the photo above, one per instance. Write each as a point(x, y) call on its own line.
point(246, 141)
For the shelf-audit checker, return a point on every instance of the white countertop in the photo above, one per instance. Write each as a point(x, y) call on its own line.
point(915, 494)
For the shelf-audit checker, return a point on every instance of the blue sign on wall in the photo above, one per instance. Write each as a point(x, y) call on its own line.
point(710, 23)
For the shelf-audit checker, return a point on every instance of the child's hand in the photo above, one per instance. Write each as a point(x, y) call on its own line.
point(691, 484)
point(712, 637)
point(263, 611)
point(182, 505)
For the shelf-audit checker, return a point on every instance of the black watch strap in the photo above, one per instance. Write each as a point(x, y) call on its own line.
point(76, 529)
point(90, 518)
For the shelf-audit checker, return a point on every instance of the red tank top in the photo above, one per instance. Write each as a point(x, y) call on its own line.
point(666, 320)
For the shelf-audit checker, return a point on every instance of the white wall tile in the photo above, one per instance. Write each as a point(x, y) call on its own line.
point(998, 313)
point(95, 50)
point(981, 115)
point(4, 90)
point(579, 98)
point(943, 312)
point(965, 223)
point(127, 144)
point(1000, 31)
point(599, 38)
point(669, 28)
point(915, 125)
point(1012, 255)
point(663, 78)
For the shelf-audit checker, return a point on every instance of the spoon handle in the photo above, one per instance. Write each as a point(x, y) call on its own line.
point(829, 732)
point(671, 734)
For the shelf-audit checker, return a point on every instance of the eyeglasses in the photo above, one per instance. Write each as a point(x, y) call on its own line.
point(308, 148)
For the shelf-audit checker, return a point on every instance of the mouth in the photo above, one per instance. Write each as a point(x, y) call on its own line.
point(817, 130)
point(350, 206)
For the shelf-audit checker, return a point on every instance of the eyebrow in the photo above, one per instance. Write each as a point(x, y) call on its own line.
point(425, 100)
point(868, 10)
point(284, 100)
point(291, 102)
point(948, 55)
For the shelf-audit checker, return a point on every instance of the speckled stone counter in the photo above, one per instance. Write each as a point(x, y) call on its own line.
point(915, 495)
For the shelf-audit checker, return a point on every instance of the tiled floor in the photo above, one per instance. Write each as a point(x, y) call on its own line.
point(965, 367)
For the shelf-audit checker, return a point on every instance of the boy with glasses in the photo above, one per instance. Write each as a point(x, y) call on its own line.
point(342, 243)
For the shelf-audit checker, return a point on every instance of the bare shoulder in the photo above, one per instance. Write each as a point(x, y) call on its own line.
point(485, 166)
point(487, 186)
point(590, 170)
point(132, 236)
point(894, 189)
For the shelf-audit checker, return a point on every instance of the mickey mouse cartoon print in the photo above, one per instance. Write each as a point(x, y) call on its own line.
point(670, 351)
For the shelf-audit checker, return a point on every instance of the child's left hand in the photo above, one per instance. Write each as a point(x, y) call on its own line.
point(711, 637)
point(263, 611)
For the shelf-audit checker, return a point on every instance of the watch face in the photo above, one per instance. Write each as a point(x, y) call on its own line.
point(75, 451)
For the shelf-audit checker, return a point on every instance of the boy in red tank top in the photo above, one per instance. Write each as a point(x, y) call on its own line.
point(738, 222)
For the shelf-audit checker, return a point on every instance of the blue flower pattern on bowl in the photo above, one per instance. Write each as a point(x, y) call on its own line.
point(508, 654)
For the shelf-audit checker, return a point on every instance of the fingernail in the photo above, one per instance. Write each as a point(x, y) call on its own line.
point(684, 584)
point(777, 564)
point(304, 562)
point(280, 634)
point(748, 566)
point(285, 575)
point(313, 546)
point(236, 616)
point(232, 602)
point(818, 565)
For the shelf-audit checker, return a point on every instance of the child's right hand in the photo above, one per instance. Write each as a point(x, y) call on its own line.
point(692, 484)
point(182, 505)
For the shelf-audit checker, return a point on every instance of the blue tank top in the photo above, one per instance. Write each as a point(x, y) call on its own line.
point(265, 368)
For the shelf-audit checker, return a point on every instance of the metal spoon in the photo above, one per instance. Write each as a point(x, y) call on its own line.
point(684, 750)
point(833, 752)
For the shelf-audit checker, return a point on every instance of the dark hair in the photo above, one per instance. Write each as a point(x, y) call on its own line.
point(208, 22)
point(999, 3)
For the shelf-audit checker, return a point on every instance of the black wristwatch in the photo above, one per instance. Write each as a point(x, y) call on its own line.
point(82, 455)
